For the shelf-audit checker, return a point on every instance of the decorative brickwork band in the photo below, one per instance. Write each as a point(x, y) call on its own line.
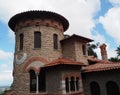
point(34, 59)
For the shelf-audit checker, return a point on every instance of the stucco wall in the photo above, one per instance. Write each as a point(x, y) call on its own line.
point(101, 78)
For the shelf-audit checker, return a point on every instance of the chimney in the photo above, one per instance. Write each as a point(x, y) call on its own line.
point(103, 52)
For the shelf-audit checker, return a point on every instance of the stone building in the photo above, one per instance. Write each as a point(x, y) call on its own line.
point(47, 62)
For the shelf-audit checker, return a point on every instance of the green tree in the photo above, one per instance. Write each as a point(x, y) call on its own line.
point(116, 59)
point(118, 51)
point(91, 48)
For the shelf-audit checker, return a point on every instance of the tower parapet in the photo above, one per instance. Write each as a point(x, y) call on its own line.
point(36, 18)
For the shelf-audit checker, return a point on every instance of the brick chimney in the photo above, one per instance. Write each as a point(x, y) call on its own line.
point(103, 52)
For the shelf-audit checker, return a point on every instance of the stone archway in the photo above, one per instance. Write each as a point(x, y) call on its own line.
point(94, 88)
point(112, 88)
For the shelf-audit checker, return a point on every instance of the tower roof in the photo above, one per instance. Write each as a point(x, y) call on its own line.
point(80, 38)
point(38, 14)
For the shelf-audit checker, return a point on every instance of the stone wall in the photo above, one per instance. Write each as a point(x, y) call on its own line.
point(46, 52)
point(55, 79)
point(72, 49)
point(100, 77)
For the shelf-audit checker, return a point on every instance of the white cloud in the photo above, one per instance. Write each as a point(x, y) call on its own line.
point(98, 38)
point(111, 22)
point(5, 78)
point(11, 36)
point(115, 2)
point(5, 55)
point(111, 52)
point(6, 61)
point(80, 13)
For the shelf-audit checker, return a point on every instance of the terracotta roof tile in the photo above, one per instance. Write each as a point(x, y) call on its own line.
point(78, 37)
point(63, 61)
point(101, 65)
point(38, 14)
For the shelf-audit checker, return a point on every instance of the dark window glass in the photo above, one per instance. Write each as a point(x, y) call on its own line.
point(84, 49)
point(37, 39)
point(77, 83)
point(67, 84)
point(95, 88)
point(72, 84)
point(55, 40)
point(32, 81)
point(112, 88)
point(42, 81)
point(21, 41)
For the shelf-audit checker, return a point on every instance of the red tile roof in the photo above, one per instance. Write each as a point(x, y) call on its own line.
point(38, 14)
point(101, 65)
point(79, 38)
point(63, 61)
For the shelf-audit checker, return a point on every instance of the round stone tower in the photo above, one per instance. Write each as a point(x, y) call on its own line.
point(37, 42)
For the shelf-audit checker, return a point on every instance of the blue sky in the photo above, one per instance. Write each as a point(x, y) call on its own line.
point(95, 19)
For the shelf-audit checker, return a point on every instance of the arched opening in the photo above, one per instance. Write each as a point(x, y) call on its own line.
point(21, 41)
point(77, 83)
point(32, 81)
point(72, 84)
point(94, 88)
point(42, 81)
point(37, 39)
point(55, 41)
point(84, 49)
point(67, 84)
point(112, 88)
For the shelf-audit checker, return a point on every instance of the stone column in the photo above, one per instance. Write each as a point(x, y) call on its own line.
point(37, 83)
point(75, 85)
point(69, 85)
point(63, 86)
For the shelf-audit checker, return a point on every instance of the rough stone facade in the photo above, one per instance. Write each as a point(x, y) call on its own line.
point(72, 49)
point(29, 61)
point(46, 51)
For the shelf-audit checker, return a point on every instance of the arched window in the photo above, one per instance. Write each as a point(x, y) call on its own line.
point(37, 39)
point(84, 49)
point(94, 88)
point(77, 83)
point(32, 81)
point(42, 81)
point(72, 84)
point(112, 88)
point(21, 41)
point(67, 84)
point(55, 41)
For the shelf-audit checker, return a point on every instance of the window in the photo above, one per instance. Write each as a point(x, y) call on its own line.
point(94, 88)
point(32, 81)
point(72, 84)
point(55, 41)
point(67, 84)
point(37, 39)
point(112, 88)
point(77, 83)
point(21, 41)
point(84, 49)
point(42, 81)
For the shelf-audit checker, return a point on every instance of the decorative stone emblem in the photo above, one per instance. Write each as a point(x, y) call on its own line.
point(23, 58)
